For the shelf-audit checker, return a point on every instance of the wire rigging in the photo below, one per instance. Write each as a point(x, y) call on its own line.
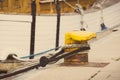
point(97, 5)
point(69, 4)
point(78, 9)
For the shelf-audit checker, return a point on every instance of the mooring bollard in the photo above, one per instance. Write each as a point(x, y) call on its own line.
point(75, 40)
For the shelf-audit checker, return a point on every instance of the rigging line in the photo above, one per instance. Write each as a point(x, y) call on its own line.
point(81, 14)
point(40, 53)
point(103, 1)
point(69, 4)
point(83, 23)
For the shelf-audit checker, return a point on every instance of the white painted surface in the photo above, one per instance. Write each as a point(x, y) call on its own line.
point(15, 29)
point(105, 50)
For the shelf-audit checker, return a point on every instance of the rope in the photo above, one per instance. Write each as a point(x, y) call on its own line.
point(69, 4)
point(43, 52)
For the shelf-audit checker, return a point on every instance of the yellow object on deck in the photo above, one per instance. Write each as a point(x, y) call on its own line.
point(79, 36)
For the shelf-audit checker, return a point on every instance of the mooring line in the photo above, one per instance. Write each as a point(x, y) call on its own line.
point(40, 53)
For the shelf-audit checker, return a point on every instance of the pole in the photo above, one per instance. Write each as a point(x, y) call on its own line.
point(32, 40)
point(58, 24)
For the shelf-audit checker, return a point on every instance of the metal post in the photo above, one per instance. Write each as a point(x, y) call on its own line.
point(32, 40)
point(58, 24)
